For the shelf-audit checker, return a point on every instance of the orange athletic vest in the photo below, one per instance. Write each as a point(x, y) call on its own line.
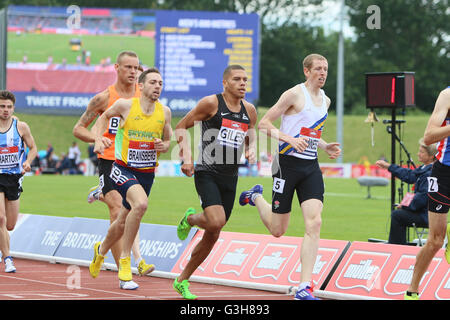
point(114, 122)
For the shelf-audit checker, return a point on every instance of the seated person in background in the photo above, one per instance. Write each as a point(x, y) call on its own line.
point(417, 210)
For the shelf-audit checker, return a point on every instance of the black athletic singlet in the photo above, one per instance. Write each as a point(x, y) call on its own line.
point(222, 140)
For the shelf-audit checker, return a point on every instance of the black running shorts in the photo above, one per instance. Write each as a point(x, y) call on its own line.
point(439, 188)
point(216, 189)
point(11, 186)
point(123, 178)
point(104, 169)
point(295, 175)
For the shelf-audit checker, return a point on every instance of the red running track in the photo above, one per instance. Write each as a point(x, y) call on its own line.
point(38, 280)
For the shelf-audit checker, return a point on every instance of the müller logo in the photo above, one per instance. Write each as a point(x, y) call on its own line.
point(363, 270)
point(401, 275)
point(235, 257)
point(273, 260)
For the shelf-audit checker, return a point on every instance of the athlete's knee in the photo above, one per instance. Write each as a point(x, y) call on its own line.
point(114, 207)
point(141, 207)
point(2, 221)
point(216, 224)
point(435, 242)
point(10, 225)
point(277, 233)
point(312, 226)
point(278, 224)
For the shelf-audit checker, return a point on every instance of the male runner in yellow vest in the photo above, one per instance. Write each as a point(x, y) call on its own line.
point(127, 65)
point(143, 133)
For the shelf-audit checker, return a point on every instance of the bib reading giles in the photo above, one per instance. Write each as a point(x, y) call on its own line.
point(114, 122)
point(223, 140)
point(134, 142)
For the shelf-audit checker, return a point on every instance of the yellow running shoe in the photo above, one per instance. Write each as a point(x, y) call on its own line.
point(411, 296)
point(447, 247)
point(144, 268)
point(125, 269)
point(97, 262)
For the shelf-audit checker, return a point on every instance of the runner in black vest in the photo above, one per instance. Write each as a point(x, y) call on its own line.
point(227, 127)
point(222, 140)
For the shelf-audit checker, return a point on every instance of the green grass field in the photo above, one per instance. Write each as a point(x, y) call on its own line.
point(357, 135)
point(38, 47)
point(347, 214)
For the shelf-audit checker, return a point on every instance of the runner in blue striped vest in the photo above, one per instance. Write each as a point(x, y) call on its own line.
point(303, 110)
point(14, 136)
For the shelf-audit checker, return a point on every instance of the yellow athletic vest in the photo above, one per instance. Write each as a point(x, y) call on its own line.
point(134, 146)
point(113, 124)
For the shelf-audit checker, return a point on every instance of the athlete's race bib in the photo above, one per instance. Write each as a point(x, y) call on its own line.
point(141, 154)
point(9, 157)
point(114, 123)
point(232, 133)
point(313, 141)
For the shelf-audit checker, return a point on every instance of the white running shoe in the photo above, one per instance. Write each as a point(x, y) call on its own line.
point(9, 265)
point(128, 285)
point(94, 194)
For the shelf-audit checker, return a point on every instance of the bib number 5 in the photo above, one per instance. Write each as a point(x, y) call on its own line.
point(278, 185)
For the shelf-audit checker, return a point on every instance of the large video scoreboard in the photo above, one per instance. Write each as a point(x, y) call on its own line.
point(194, 48)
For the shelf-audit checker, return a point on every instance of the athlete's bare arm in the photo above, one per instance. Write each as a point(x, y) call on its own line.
point(434, 131)
point(332, 149)
point(120, 108)
point(250, 140)
point(291, 99)
point(25, 132)
point(97, 105)
point(162, 145)
point(205, 109)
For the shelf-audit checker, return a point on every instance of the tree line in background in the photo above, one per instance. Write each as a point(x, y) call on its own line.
point(412, 35)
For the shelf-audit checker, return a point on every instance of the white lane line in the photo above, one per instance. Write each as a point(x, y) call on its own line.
point(65, 286)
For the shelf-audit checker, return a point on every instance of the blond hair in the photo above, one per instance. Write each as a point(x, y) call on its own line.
point(126, 53)
point(309, 59)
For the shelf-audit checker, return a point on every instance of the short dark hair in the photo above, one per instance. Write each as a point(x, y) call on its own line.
point(228, 69)
point(146, 72)
point(7, 95)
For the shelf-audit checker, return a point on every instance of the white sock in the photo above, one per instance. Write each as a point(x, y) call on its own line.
point(255, 195)
point(303, 285)
point(138, 261)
